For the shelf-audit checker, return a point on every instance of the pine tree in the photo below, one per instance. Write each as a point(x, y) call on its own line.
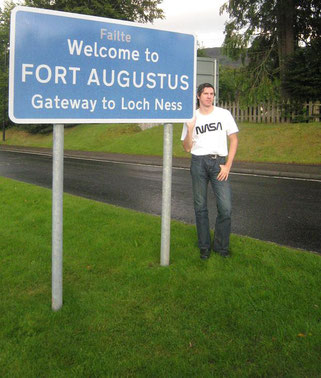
point(268, 33)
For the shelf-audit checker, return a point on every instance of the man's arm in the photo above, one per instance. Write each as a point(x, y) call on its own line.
point(188, 141)
point(225, 169)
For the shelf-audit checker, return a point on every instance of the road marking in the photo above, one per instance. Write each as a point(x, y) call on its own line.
point(160, 166)
point(276, 177)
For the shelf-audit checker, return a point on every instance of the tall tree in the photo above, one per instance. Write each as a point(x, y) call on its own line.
point(263, 30)
point(130, 10)
point(302, 79)
point(4, 58)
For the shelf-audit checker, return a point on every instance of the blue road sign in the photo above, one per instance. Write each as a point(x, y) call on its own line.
point(67, 68)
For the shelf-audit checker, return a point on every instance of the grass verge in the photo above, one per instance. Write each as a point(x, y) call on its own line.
point(286, 143)
point(256, 314)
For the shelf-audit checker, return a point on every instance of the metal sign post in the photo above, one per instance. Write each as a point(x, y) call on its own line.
point(57, 214)
point(166, 194)
point(105, 71)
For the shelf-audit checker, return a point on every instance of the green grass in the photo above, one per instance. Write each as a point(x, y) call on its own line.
point(256, 314)
point(286, 143)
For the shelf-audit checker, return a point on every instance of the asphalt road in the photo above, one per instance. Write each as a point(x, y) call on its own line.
point(285, 211)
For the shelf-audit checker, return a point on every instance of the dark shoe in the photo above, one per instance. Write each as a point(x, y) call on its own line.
point(224, 254)
point(205, 254)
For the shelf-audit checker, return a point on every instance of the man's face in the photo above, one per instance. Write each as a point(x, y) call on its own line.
point(206, 98)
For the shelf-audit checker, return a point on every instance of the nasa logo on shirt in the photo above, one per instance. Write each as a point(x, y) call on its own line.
point(208, 127)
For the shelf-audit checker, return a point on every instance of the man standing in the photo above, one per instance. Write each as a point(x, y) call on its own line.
point(206, 138)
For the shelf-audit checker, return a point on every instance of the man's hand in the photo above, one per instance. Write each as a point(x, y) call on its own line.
point(188, 141)
point(225, 168)
point(224, 172)
point(191, 125)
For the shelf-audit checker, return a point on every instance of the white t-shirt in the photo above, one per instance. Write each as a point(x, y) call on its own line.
point(211, 131)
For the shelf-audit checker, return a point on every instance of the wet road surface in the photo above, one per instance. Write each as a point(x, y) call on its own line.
point(285, 211)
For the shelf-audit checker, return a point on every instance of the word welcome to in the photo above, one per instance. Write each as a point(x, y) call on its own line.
point(78, 48)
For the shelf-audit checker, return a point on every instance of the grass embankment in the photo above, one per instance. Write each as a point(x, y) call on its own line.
point(256, 314)
point(286, 143)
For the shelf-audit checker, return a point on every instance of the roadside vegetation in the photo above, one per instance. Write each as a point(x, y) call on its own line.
point(286, 143)
point(257, 314)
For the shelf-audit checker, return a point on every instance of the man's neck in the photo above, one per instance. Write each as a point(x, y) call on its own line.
point(206, 109)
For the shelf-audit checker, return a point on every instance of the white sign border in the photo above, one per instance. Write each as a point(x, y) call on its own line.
point(81, 120)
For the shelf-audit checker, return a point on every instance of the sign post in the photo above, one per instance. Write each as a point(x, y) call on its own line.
point(166, 194)
point(57, 214)
point(72, 68)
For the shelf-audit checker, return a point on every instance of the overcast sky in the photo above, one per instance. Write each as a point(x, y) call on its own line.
point(199, 17)
point(1, 4)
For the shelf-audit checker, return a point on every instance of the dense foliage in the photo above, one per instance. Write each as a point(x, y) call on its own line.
point(278, 40)
point(236, 85)
point(302, 80)
point(130, 10)
point(4, 58)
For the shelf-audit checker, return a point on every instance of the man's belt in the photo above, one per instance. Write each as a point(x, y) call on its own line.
point(215, 156)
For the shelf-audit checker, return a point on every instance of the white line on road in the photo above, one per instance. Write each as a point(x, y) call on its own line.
point(159, 166)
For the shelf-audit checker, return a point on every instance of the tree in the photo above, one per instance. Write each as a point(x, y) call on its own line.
point(302, 79)
point(230, 84)
point(201, 51)
point(269, 32)
point(4, 59)
point(130, 10)
point(235, 85)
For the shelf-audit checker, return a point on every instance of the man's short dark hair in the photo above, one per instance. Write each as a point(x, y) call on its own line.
point(200, 90)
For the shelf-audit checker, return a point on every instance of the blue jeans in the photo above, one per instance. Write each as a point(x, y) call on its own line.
point(204, 169)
